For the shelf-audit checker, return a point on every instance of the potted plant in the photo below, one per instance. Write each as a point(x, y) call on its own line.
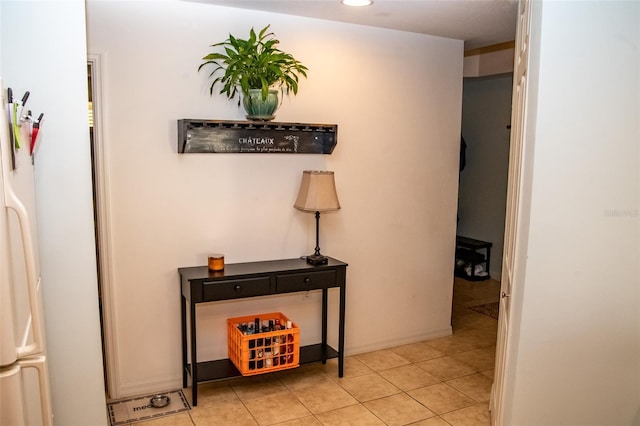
point(256, 68)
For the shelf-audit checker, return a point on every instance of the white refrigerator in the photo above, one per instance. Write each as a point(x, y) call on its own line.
point(24, 380)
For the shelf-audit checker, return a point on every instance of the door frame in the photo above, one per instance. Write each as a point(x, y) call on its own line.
point(103, 231)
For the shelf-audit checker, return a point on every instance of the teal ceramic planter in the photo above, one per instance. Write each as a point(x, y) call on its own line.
point(258, 109)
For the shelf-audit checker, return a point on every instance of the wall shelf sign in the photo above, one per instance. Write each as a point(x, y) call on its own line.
point(224, 136)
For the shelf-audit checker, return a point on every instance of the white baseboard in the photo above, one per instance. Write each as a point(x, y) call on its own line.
point(386, 343)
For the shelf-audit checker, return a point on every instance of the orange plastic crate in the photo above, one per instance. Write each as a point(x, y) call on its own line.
point(263, 352)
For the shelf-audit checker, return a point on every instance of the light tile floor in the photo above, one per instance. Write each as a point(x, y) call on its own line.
point(445, 381)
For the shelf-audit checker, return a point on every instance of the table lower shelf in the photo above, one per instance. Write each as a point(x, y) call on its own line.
point(224, 368)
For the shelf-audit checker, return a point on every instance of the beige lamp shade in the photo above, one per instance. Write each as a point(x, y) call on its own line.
point(317, 192)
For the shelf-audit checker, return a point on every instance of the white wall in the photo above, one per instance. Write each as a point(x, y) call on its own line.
point(44, 51)
point(577, 326)
point(482, 197)
point(396, 98)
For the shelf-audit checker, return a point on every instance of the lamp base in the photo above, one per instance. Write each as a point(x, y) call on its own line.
point(317, 259)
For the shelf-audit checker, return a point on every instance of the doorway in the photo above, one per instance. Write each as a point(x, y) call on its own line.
point(486, 115)
point(482, 193)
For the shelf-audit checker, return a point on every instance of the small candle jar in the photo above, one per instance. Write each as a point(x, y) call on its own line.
point(216, 262)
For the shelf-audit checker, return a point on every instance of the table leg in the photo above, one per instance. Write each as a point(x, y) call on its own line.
point(194, 360)
point(183, 317)
point(341, 331)
point(324, 323)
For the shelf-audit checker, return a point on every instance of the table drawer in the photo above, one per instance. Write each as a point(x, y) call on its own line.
point(234, 289)
point(305, 281)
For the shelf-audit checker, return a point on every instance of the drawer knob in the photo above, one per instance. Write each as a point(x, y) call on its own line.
point(237, 287)
point(307, 280)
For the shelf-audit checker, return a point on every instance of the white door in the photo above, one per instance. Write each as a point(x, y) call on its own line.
point(509, 263)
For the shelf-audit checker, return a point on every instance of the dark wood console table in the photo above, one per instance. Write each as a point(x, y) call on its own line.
point(253, 279)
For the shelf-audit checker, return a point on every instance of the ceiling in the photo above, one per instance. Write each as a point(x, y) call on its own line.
point(479, 23)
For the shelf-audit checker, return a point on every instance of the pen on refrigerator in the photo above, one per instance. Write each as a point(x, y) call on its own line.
point(16, 127)
point(34, 133)
point(23, 102)
point(10, 116)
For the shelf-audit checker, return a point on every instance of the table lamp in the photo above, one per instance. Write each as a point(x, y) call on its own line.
point(317, 194)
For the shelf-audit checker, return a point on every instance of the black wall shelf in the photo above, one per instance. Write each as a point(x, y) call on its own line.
point(224, 136)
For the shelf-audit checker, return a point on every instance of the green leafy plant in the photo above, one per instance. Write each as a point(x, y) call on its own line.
point(254, 63)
